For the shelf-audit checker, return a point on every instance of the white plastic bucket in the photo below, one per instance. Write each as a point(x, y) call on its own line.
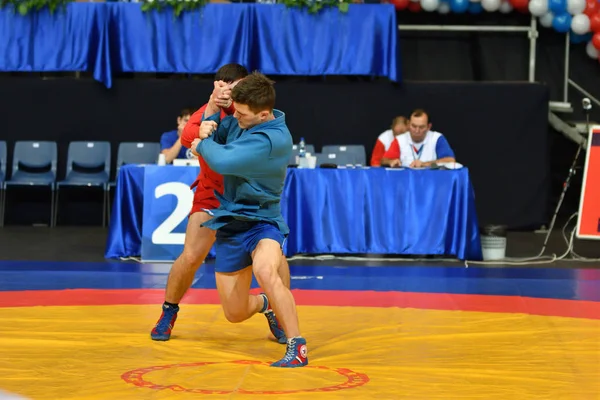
point(493, 247)
point(493, 243)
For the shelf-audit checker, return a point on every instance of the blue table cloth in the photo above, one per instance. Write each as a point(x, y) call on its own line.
point(125, 227)
point(345, 211)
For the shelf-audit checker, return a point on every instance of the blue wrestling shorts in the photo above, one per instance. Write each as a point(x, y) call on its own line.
point(237, 240)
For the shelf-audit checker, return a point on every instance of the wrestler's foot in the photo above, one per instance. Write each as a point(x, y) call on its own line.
point(296, 354)
point(274, 324)
point(166, 322)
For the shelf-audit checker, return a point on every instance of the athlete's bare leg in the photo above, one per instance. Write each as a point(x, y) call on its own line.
point(265, 264)
point(266, 260)
point(234, 292)
point(284, 271)
point(239, 305)
point(198, 242)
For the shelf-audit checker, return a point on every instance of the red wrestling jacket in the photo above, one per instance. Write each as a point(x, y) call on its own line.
point(207, 180)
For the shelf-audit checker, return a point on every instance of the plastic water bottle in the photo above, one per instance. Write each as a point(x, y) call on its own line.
point(302, 148)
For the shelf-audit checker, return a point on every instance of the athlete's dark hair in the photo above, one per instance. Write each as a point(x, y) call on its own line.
point(256, 91)
point(231, 73)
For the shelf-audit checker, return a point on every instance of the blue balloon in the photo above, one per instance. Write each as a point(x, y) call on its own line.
point(459, 6)
point(475, 8)
point(557, 6)
point(562, 22)
point(576, 38)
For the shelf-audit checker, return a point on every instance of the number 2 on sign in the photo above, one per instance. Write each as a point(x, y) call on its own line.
point(164, 233)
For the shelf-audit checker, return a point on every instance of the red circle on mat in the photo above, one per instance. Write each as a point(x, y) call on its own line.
point(136, 377)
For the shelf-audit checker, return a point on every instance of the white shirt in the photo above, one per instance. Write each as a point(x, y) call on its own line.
point(424, 151)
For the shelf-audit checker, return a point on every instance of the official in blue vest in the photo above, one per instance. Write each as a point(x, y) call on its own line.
point(251, 150)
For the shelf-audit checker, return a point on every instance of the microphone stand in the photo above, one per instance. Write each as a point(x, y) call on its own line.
point(587, 106)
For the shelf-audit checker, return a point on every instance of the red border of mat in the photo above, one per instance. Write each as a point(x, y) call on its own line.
point(434, 301)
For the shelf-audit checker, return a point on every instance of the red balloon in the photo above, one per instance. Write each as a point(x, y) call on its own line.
point(591, 8)
point(596, 40)
point(522, 10)
point(414, 6)
point(595, 22)
point(519, 4)
point(400, 4)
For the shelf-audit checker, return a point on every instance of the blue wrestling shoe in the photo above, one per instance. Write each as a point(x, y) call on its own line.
point(274, 325)
point(165, 324)
point(296, 354)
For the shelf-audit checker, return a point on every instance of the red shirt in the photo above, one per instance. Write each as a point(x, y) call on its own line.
point(378, 152)
point(393, 152)
point(208, 180)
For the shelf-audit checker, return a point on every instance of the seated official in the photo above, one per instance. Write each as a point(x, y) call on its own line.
point(384, 140)
point(170, 145)
point(420, 146)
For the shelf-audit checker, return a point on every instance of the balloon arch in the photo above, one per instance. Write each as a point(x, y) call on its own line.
point(580, 17)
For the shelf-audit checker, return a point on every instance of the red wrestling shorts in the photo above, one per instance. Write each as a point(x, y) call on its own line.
point(204, 198)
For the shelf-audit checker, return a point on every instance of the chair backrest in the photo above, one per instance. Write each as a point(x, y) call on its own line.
point(2, 158)
point(310, 148)
point(92, 156)
point(356, 152)
point(35, 155)
point(341, 159)
point(137, 153)
point(321, 158)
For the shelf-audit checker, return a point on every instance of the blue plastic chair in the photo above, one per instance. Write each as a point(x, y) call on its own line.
point(133, 153)
point(88, 165)
point(2, 175)
point(310, 148)
point(355, 152)
point(340, 159)
point(34, 164)
point(137, 153)
point(321, 158)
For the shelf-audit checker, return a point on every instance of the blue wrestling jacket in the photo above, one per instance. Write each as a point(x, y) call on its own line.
point(253, 163)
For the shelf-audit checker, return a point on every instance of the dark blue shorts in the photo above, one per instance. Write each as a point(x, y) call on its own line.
point(237, 240)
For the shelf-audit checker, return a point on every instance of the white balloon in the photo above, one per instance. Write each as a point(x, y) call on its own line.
point(444, 7)
point(506, 7)
point(546, 20)
point(575, 7)
point(538, 7)
point(430, 5)
point(592, 51)
point(491, 5)
point(580, 24)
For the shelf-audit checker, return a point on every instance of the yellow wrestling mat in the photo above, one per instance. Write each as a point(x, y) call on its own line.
point(105, 352)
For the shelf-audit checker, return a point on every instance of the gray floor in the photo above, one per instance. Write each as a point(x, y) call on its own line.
point(87, 244)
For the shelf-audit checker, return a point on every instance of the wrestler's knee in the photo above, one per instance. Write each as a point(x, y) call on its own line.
point(196, 249)
point(234, 315)
point(191, 258)
point(265, 272)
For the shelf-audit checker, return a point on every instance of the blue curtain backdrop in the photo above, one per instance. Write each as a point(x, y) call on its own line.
point(277, 40)
point(75, 40)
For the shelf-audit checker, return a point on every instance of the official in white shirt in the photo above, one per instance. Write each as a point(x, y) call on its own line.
point(420, 146)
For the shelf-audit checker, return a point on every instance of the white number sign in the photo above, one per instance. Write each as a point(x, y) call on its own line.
point(164, 233)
